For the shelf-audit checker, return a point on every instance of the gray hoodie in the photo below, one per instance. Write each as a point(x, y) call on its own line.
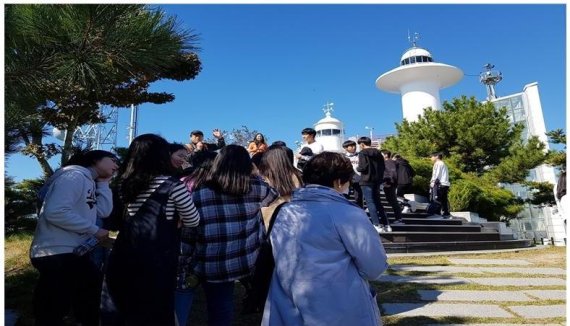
point(69, 212)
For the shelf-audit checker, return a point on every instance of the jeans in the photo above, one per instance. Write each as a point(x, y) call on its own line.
point(371, 194)
point(183, 304)
point(67, 282)
point(220, 302)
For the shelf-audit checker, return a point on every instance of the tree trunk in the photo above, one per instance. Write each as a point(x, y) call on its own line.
point(67, 144)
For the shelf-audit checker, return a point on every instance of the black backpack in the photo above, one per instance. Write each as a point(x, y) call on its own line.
point(390, 172)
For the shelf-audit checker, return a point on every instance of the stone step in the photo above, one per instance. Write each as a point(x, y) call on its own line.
point(416, 247)
point(425, 236)
point(424, 221)
point(435, 228)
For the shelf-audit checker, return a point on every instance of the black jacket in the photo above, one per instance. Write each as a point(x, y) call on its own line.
point(405, 172)
point(390, 173)
point(370, 166)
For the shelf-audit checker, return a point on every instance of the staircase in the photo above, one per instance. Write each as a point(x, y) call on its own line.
point(422, 232)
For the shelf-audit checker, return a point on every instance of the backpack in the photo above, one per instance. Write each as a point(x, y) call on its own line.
point(390, 172)
point(434, 203)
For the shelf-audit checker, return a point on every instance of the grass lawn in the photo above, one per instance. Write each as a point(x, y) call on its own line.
point(20, 278)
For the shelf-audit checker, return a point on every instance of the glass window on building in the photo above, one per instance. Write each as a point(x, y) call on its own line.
point(336, 132)
point(327, 132)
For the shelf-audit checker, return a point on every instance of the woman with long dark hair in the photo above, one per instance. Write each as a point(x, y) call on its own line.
point(186, 280)
point(228, 239)
point(278, 171)
point(257, 145)
point(71, 201)
point(141, 274)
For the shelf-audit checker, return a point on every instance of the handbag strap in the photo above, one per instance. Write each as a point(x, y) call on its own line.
point(272, 219)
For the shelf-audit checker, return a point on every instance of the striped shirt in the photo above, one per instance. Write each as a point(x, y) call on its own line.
point(179, 201)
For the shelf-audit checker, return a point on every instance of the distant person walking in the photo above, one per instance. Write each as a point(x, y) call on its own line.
point(325, 253)
point(440, 178)
point(350, 152)
point(371, 168)
point(75, 196)
point(390, 184)
point(561, 198)
point(406, 175)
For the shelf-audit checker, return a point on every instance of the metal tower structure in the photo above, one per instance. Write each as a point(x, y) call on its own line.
point(490, 78)
point(102, 135)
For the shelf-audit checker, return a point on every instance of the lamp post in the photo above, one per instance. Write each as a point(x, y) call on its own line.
point(371, 131)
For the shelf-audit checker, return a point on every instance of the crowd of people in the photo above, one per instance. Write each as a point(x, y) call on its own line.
point(193, 215)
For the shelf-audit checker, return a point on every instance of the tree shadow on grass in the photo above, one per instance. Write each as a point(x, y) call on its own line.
point(19, 289)
point(422, 321)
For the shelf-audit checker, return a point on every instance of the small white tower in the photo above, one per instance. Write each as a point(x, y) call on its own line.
point(419, 80)
point(330, 132)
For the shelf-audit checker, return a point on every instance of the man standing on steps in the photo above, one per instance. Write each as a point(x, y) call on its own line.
point(308, 135)
point(391, 183)
point(197, 141)
point(440, 176)
point(371, 168)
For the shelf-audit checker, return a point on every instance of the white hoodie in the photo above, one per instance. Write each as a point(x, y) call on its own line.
point(70, 210)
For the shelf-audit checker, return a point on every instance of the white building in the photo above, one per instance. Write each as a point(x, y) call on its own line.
point(535, 221)
point(330, 131)
point(418, 79)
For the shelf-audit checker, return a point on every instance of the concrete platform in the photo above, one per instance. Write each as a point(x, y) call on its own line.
point(539, 311)
point(471, 296)
point(518, 281)
point(547, 294)
point(445, 310)
point(459, 261)
point(422, 279)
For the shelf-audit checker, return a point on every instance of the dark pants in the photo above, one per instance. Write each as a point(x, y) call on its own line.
point(357, 194)
point(220, 302)
point(371, 194)
point(67, 282)
point(404, 189)
point(442, 194)
point(390, 192)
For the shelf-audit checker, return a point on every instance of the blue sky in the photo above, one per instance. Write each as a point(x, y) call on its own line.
point(273, 67)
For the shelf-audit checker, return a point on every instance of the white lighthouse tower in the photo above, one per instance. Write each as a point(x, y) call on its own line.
point(419, 80)
point(330, 132)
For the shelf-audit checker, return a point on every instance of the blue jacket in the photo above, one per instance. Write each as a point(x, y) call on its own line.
point(325, 251)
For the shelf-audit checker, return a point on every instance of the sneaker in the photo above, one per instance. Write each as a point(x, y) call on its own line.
point(379, 228)
point(388, 228)
point(447, 217)
point(406, 210)
point(398, 222)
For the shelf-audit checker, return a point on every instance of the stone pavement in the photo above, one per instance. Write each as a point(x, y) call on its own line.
point(532, 300)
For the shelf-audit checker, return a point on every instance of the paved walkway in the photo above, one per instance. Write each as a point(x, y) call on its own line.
point(530, 304)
